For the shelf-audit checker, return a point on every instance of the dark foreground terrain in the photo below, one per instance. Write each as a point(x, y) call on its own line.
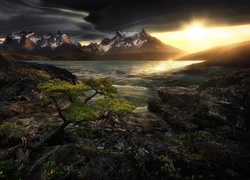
point(196, 135)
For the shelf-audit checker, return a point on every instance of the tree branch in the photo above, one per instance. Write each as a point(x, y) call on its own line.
point(49, 136)
point(71, 99)
point(53, 133)
point(90, 97)
point(41, 160)
point(59, 110)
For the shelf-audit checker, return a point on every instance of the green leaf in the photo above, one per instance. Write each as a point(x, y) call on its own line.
point(59, 88)
point(119, 107)
point(103, 85)
point(81, 112)
point(77, 110)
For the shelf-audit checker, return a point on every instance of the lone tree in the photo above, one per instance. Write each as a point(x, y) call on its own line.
point(87, 100)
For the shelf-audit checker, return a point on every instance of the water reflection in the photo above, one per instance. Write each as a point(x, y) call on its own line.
point(136, 80)
point(162, 66)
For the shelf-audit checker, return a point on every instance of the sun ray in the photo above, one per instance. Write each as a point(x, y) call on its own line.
point(197, 37)
point(195, 32)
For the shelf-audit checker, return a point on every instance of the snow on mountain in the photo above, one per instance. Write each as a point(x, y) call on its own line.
point(30, 41)
point(123, 44)
point(130, 42)
point(127, 34)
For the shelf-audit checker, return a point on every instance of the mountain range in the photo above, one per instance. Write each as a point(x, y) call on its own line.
point(138, 45)
point(130, 42)
point(124, 45)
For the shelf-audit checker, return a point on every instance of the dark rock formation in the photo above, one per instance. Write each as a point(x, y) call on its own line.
point(223, 99)
point(18, 79)
point(219, 107)
point(228, 98)
point(186, 137)
point(20, 101)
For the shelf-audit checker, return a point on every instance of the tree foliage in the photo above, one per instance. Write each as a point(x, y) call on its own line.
point(80, 111)
point(13, 170)
point(53, 171)
point(89, 99)
point(61, 89)
point(119, 107)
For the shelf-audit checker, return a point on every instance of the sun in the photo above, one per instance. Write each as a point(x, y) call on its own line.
point(195, 32)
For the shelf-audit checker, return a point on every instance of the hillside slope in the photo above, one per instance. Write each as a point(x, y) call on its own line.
point(229, 55)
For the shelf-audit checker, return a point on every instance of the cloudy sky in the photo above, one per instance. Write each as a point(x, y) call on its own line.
point(91, 20)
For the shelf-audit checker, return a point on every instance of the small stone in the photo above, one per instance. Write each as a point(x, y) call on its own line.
point(25, 121)
point(119, 146)
point(108, 130)
point(121, 130)
point(100, 147)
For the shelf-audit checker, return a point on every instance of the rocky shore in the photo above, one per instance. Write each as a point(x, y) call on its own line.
point(202, 134)
point(212, 123)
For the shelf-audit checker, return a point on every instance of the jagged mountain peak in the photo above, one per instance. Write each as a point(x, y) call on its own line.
point(30, 41)
point(120, 33)
point(124, 34)
point(47, 36)
point(19, 34)
point(60, 44)
point(131, 42)
point(105, 41)
point(144, 34)
point(132, 34)
point(59, 32)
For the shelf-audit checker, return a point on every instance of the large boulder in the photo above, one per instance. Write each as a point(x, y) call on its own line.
point(178, 108)
point(212, 123)
point(222, 100)
point(228, 98)
point(229, 105)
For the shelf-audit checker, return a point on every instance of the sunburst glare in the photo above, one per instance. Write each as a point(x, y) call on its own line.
point(195, 32)
point(197, 37)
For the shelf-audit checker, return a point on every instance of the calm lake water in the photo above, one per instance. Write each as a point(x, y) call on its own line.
point(138, 80)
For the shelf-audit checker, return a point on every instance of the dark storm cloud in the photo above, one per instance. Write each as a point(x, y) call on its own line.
point(109, 15)
point(93, 19)
point(17, 15)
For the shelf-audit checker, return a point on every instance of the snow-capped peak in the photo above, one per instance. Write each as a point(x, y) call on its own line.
point(127, 34)
point(31, 41)
point(33, 37)
point(144, 34)
point(48, 36)
point(29, 34)
point(16, 35)
point(129, 42)
point(123, 41)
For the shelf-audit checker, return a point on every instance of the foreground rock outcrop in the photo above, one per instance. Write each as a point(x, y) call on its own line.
point(201, 134)
point(20, 102)
point(85, 151)
point(18, 79)
point(212, 122)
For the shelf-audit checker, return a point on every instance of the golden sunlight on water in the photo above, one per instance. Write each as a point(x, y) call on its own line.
point(166, 66)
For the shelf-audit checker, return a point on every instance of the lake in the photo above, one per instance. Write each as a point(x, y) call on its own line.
point(138, 80)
